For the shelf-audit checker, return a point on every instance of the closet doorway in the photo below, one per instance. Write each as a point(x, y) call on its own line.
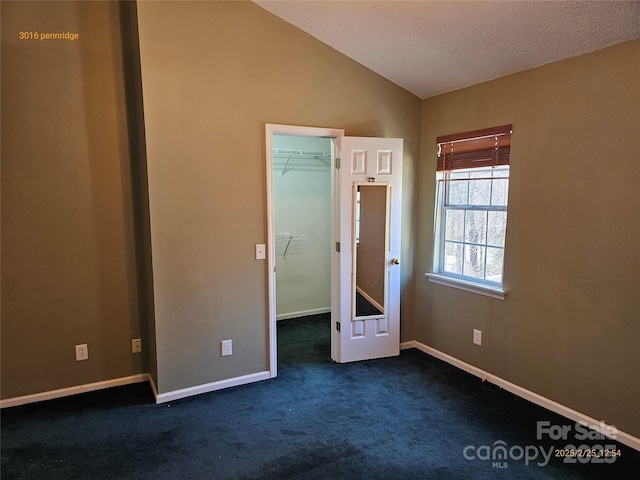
point(301, 184)
point(302, 218)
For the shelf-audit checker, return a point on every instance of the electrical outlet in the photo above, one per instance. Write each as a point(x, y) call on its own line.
point(136, 345)
point(477, 337)
point(225, 347)
point(82, 352)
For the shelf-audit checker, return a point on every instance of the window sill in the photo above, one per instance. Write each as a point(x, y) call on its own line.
point(486, 290)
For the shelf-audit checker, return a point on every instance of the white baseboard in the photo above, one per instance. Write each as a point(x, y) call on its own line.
point(302, 313)
point(210, 387)
point(65, 392)
point(369, 299)
point(143, 377)
point(154, 388)
point(533, 397)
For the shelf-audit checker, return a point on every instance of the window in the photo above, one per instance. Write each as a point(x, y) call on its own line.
point(471, 216)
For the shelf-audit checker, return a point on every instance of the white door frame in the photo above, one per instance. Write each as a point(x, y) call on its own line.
point(270, 130)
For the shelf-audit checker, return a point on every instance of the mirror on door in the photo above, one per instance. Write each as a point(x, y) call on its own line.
point(371, 217)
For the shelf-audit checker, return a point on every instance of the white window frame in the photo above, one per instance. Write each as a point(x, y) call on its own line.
point(451, 279)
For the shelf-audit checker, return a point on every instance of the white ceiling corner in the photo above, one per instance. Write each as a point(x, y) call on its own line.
point(431, 47)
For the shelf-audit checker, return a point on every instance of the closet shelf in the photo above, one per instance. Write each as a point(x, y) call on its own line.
point(288, 238)
point(289, 153)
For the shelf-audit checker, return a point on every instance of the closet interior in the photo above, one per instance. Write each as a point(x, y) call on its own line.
point(302, 204)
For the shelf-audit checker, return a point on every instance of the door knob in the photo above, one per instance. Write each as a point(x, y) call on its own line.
point(395, 261)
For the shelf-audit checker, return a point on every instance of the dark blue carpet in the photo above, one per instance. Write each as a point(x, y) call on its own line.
point(409, 417)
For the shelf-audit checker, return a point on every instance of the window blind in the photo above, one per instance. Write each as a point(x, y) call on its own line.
point(488, 147)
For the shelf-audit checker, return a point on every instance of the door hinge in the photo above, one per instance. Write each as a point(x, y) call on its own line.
point(338, 326)
point(338, 247)
point(338, 163)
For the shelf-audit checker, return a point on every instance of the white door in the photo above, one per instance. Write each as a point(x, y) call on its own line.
point(366, 306)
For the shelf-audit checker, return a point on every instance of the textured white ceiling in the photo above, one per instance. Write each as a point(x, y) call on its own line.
point(431, 47)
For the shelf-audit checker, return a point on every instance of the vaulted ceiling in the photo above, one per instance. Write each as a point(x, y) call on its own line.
point(432, 47)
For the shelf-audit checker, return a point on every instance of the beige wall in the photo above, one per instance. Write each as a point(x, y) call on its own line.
point(569, 328)
point(73, 227)
point(213, 74)
point(68, 239)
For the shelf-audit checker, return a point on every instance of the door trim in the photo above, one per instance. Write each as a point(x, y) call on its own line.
point(278, 129)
